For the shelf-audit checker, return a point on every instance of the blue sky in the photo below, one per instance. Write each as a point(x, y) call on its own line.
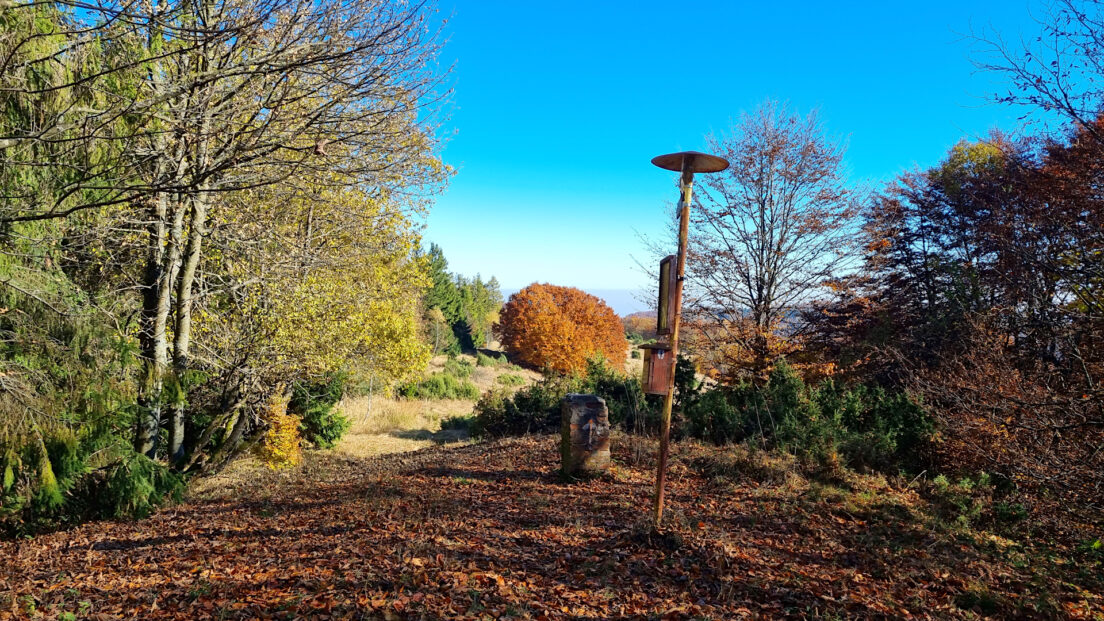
point(559, 107)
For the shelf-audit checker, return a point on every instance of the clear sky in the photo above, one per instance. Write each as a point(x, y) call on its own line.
point(559, 107)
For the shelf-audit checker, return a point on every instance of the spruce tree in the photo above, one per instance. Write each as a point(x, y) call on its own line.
point(443, 294)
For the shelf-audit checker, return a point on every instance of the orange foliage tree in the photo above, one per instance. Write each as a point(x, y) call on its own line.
point(643, 324)
point(560, 328)
point(735, 350)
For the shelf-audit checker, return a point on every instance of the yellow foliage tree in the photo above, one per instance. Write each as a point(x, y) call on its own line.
point(334, 287)
point(280, 447)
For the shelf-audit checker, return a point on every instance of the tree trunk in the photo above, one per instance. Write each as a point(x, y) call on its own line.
point(161, 266)
point(183, 328)
point(229, 447)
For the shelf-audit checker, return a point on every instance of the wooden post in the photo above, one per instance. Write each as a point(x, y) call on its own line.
point(686, 187)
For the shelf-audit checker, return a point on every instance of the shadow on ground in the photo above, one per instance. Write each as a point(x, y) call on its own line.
point(444, 436)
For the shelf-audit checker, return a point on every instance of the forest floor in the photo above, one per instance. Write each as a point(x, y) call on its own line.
point(404, 519)
point(489, 530)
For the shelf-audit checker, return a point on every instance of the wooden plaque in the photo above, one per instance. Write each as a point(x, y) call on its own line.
point(668, 277)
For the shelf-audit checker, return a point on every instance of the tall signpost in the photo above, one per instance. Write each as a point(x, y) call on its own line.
point(687, 163)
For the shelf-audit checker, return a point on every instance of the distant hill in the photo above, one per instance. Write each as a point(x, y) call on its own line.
point(622, 301)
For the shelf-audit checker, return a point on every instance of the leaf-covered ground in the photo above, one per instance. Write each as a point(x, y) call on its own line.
point(489, 531)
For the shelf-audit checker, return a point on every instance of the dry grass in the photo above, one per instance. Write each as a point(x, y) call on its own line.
point(244, 474)
point(484, 378)
point(641, 451)
point(374, 415)
point(383, 425)
point(634, 366)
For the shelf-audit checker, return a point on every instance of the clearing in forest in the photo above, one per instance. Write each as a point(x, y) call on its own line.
point(383, 424)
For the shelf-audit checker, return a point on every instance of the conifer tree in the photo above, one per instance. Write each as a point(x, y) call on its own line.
point(442, 293)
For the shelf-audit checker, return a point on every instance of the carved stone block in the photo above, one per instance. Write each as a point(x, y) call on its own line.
point(584, 435)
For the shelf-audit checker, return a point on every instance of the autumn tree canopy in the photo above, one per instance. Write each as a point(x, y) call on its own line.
point(559, 328)
point(981, 293)
point(770, 231)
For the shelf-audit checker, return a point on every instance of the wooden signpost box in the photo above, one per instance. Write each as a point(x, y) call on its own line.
point(659, 361)
point(659, 365)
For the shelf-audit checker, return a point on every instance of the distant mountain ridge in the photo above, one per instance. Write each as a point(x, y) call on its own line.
point(622, 301)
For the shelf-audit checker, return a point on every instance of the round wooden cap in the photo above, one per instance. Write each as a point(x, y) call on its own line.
point(696, 161)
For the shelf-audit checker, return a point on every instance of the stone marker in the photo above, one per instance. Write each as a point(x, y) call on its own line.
point(584, 435)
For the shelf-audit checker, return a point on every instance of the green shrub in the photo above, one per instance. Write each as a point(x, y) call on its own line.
point(8, 465)
point(483, 360)
point(460, 369)
point(497, 414)
point(687, 386)
point(1092, 547)
point(780, 412)
point(869, 449)
point(531, 409)
point(442, 385)
point(39, 472)
point(864, 426)
point(813, 437)
point(881, 430)
point(981, 500)
point(450, 383)
point(979, 597)
point(321, 423)
point(510, 379)
point(635, 354)
point(134, 486)
point(63, 449)
point(61, 478)
point(452, 345)
point(324, 427)
point(714, 418)
point(536, 408)
point(623, 394)
point(962, 504)
point(456, 422)
point(1009, 512)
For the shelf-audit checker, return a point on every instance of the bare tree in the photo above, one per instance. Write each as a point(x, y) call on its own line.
point(1059, 71)
point(772, 230)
